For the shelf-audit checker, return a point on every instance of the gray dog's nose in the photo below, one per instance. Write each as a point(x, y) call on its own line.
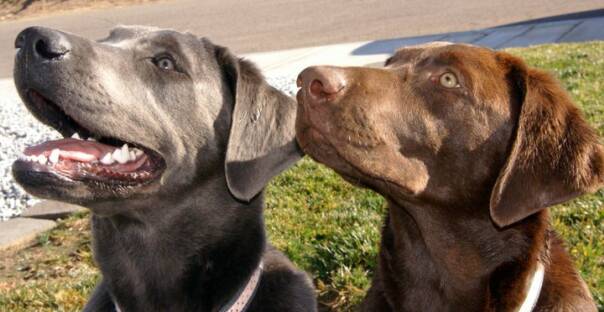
point(44, 43)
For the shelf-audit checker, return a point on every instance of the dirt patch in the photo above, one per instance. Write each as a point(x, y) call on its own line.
point(16, 9)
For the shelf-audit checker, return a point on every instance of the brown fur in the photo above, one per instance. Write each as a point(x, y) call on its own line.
point(467, 172)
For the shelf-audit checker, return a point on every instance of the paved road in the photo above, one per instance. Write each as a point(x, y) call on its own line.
point(263, 25)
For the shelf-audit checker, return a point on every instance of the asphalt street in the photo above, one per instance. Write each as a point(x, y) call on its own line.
point(265, 25)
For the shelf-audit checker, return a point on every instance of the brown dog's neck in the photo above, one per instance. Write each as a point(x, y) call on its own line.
point(464, 262)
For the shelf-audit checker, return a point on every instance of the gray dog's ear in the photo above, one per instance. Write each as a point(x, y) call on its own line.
point(556, 155)
point(262, 137)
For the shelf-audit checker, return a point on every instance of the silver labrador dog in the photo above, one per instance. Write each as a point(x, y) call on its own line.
point(176, 139)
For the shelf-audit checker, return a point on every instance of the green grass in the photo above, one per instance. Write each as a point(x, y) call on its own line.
point(323, 224)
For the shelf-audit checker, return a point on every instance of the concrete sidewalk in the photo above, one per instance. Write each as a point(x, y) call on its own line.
point(291, 62)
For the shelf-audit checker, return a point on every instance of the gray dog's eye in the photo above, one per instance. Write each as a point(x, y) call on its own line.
point(448, 80)
point(164, 62)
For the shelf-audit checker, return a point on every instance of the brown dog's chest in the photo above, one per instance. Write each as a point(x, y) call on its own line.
point(430, 266)
point(417, 270)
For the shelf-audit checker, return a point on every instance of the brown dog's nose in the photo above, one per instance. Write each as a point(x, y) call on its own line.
point(322, 83)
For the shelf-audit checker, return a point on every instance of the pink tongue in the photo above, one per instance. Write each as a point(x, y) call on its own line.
point(79, 150)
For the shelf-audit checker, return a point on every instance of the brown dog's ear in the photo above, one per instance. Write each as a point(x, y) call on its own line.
point(555, 156)
point(262, 137)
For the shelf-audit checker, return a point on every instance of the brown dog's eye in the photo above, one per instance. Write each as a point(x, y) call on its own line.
point(448, 80)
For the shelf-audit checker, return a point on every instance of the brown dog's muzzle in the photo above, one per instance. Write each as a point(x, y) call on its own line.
point(343, 120)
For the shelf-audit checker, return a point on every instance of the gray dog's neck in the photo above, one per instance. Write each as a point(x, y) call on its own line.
point(146, 263)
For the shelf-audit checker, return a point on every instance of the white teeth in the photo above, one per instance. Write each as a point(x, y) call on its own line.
point(75, 136)
point(42, 160)
point(107, 159)
point(91, 139)
point(126, 152)
point(120, 157)
point(54, 156)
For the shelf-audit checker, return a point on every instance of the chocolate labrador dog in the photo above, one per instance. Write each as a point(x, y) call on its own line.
point(469, 146)
point(173, 141)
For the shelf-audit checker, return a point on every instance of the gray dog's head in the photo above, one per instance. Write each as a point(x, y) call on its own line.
point(156, 111)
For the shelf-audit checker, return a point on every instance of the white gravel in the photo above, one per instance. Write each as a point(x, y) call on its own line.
point(285, 84)
point(18, 129)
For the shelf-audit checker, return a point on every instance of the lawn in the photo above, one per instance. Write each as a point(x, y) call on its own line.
point(326, 226)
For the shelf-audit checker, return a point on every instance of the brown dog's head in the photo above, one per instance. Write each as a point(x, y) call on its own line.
point(451, 125)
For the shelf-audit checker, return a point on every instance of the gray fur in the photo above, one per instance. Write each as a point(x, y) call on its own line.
point(188, 241)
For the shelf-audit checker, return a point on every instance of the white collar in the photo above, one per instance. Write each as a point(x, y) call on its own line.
point(534, 290)
point(244, 296)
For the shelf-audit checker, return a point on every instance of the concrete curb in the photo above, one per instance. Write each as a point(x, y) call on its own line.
point(19, 233)
point(51, 210)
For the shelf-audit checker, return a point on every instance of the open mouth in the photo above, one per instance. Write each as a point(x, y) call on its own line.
point(84, 156)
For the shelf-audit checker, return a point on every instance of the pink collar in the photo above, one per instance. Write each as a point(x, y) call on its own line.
point(244, 296)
